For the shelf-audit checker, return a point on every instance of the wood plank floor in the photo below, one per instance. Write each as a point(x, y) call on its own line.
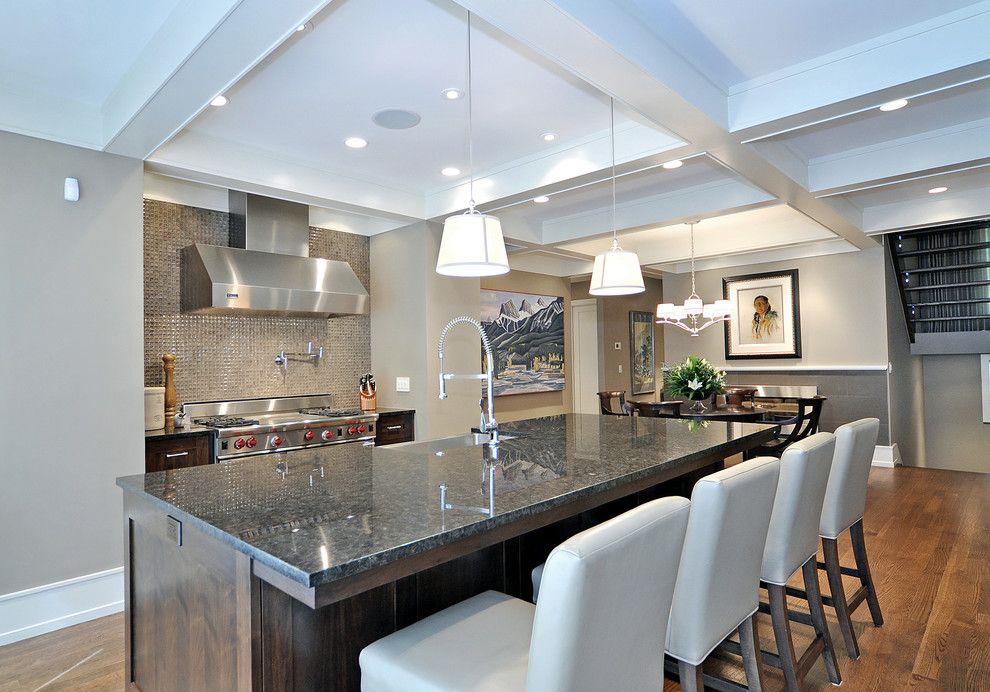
point(928, 536)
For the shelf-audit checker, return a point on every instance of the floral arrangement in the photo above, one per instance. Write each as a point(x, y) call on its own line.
point(695, 379)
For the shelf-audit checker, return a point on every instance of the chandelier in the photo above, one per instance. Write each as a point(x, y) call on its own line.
point(692, 316)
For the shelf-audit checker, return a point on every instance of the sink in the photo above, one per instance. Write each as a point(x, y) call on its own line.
point(444, 443)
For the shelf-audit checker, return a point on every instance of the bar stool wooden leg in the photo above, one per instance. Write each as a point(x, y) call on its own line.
point(782, 634)
point(810, 572)
point(690, 677)
point(749, 642)
point(863, 567)
point(834, 571)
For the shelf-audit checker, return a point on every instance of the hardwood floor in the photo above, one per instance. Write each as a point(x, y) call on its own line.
point(928, 535)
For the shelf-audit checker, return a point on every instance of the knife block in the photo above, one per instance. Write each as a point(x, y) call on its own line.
point(369, 402)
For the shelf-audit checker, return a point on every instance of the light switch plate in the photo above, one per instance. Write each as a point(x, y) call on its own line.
point(402, 384)
point(618, 345)
point(620, 368)
point(173, 529)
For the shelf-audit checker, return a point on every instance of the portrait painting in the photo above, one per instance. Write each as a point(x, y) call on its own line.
point(765, 320)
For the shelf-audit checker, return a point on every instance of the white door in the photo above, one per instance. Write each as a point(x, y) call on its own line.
point(584, 356)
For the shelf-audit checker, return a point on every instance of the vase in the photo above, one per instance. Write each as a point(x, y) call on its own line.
point(699, 406)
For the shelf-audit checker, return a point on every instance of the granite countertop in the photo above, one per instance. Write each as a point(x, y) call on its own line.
point(188, 431)
point(327, 513)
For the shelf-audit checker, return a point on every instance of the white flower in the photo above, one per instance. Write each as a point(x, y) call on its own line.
point(694, 384)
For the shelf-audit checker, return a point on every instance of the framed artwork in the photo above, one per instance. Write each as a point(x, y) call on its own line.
point(642, 368)
point(526, 332)
point(766, 319)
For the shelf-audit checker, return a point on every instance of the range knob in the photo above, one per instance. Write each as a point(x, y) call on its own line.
point(252, 442)
point(239, 443)
point(352, 430)
point(327, 435)
point(309, 435)
point(362, 428)
point(276, 440)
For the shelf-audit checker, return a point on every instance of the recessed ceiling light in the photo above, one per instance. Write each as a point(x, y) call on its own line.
point(542, 199)
point(936, 190)
point(548, 136)
point(671, 165)
point(450, 171)
point(220, 100)
point(452, 94)
point(893, 105)
point(356, 142)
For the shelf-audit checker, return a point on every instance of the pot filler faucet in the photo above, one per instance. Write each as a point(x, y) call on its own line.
point(488, 425)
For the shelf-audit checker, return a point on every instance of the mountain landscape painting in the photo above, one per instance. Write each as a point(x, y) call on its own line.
point(527, 337)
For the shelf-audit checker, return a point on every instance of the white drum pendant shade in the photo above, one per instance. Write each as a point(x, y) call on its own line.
point(472, 245)
point(616, 273)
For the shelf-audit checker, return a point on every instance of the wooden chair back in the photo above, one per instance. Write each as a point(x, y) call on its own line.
point(605, 403)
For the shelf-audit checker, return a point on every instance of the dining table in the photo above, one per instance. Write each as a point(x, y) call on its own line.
point(726, 412)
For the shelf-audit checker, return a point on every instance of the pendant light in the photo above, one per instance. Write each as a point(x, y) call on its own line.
point(690, 315)
point(472, 243)
point(616, 271)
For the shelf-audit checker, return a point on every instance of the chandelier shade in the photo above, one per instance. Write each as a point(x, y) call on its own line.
point(690, 316)
point(472, 245)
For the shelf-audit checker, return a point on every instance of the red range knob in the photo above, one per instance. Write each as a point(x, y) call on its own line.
point(239, 443)
point(327, 435)
point(252, 442)
point(362, 428)
point(352, 430)
point(276, 440)
point(309, 435)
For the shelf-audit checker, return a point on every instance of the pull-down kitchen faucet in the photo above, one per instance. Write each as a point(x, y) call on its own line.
point(488, 425)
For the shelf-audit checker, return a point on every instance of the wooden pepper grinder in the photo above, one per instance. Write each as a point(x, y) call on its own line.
point(168, 364)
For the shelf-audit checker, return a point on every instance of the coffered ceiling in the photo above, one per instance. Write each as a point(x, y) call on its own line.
point(772, 106)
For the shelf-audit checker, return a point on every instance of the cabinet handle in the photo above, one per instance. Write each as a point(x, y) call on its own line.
point(176, 454)
point(394, 427)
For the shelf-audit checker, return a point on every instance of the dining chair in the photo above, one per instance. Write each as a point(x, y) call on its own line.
point(605, 400)
point(802, 424)
point(600, 622)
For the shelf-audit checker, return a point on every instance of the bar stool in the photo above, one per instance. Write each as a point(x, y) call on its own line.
point(600, 622)
point(717, 591)
point(792, 545)
point(845, 504)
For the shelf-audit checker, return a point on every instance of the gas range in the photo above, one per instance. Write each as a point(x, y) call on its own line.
point(247, 427)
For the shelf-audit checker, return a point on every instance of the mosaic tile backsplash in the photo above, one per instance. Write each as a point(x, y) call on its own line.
point(221, 357)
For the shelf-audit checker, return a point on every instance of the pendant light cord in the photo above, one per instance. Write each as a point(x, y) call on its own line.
point(694, 291)
point(611, 105)
point(470, 90)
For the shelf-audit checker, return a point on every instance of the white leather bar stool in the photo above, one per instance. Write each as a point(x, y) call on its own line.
point(718, 581)
point(792, 545)
point(845, 504)
point(599, 624)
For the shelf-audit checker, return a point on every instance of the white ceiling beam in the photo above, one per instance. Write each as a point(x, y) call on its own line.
point(875, 71)
point(554, 265)
point(721, 197)
point(816, 248)
point(946, 149)
point(591, 49)
point(930, 210)
point(251, 31)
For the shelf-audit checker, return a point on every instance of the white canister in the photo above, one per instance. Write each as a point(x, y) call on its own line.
point(154, 408)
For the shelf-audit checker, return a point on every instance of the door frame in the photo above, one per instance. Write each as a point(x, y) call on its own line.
point(582, 361)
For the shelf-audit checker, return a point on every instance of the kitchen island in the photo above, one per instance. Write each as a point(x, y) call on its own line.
point(273, 572)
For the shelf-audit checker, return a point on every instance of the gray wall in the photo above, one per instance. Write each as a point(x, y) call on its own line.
point(233, 357)
point(843, 323)
point(71, 405)
point(410, 303)
point(955, 435)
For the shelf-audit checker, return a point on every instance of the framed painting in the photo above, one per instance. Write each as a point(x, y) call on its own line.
point(766, 315)
point(642, 367)
point(526, 332)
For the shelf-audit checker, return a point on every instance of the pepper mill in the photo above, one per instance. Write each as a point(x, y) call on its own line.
point(168, 364)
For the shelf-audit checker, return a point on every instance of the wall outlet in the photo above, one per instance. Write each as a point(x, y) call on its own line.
point(402, 384)
point(620, 368)
point(618, 346)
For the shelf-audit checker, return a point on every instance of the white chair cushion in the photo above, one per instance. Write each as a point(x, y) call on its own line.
point(481, 644)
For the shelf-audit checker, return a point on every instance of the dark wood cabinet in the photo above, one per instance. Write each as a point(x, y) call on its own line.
point(394, 427)
point(167, 453)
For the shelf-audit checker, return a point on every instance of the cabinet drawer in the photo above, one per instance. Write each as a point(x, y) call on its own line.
point(394, 428)
point(177, 453)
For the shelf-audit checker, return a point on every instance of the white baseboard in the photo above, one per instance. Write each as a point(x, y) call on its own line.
point(41, 609)
point(887, 456)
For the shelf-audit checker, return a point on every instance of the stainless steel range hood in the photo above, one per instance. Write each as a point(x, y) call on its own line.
point(267, 270)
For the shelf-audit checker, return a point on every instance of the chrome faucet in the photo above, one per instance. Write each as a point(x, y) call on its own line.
point(488, 425)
